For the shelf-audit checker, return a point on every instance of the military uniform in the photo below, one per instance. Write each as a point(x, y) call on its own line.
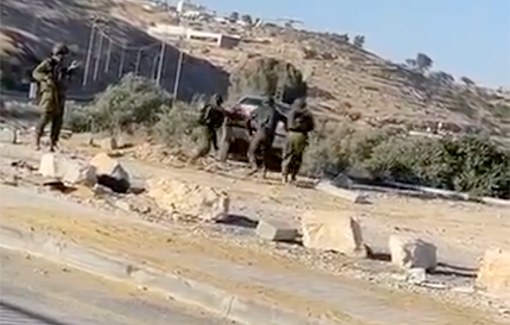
point(300, 122)
point(266, 119)
point(52, 78)
point(211, 119)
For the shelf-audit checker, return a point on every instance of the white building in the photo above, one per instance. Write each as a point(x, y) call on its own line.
point(166, 31)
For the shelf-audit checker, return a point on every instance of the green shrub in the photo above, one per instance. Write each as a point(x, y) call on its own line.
point(178, 125)
point(133, 101)
point(262, 75)
point(470, 163)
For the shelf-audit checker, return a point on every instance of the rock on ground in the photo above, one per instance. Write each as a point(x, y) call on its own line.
point(408, 252)
point(70, 171)
point(78, 172)
point(8, 135)
point(333, 230)
point(202, 202)
point(110, 173)
point(494, 273)
point(276, 231)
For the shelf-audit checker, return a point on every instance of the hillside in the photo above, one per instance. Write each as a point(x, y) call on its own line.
point(27, 37)
point(346, 81)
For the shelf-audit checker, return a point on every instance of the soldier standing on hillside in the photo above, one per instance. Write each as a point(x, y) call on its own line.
point(211, 119)
point(52, 78)
point(266, 119)
point(300, 123)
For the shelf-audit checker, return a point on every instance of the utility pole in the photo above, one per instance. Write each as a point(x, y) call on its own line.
point(178, 74)
point(122, 59)
point(108, 56)
point(161, 60)
point(138, 58)
point(98, 56)
point(89, 53)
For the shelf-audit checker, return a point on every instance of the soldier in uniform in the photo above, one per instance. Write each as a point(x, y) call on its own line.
point(266, 118)
point(52, 78)
point(211, 119)
point(300, 123)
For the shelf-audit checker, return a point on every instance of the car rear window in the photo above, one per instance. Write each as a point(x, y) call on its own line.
point(252, 101)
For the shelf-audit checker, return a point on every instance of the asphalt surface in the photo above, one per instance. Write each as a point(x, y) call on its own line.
point(34, 291)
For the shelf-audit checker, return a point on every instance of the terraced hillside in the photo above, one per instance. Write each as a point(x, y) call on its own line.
point(346, 81)
point(30, 27)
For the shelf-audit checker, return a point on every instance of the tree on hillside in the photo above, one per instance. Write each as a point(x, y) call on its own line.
point(423, 62)
point(263, 76)
point(468, 82)
point(247, 19)
point(359, 41)
point(234, 16)
point(441, 78)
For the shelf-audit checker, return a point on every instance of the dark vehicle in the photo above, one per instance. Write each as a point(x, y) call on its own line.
point(234, 137)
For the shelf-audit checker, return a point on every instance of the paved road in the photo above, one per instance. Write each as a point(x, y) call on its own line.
point(37, 292)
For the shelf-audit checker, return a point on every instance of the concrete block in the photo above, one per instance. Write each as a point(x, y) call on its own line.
point(49, 166)
point(198, 201)
point(109, 144)
point(333, 230)
point(494, 273)
point(79, 173)
point(351, 196)
point(8, 135)
point(409, 252)
point(110, 173)
point(276, 231)
point(417, 275)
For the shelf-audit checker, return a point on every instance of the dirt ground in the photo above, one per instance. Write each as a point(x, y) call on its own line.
point(461, 230)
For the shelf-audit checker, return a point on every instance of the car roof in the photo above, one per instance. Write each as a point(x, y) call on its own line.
point(261, 98)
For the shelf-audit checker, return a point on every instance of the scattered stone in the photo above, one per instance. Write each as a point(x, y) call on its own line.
point(276, 231)
point(110, 173)
point(101, 189)
point(416, 275)
point(465, 289)
point(123, 205)
point(333, 230)
point(408, 252)
point(202, 202)
point(342, 180)
point(49, 166)
point(433, 285)
point(351, 196)
point(494, 273)
point(8, 135)
point(109, 144)
point(11, 180)
point(78, 173)
point(66, 134)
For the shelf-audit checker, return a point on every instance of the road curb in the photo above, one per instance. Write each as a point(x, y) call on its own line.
point(218, 301)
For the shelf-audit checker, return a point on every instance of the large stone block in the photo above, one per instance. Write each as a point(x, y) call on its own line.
point(276, 230)
point(109, 144)
point(110, 173)
point(202, 202)
point(8, 135)
point(49, 166)
point(494, 273)
point(78, 172)
point(410, 252)
point(333, 230)
point(345, 194)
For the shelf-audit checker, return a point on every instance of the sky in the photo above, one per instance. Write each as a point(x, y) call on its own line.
point(463, 37)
